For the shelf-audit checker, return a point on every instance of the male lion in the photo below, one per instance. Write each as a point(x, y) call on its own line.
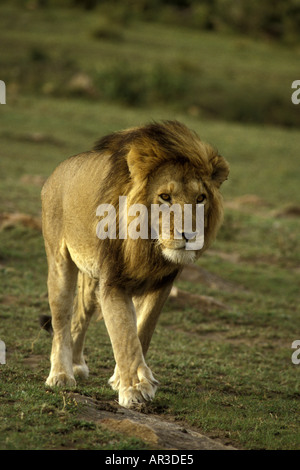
point(127, 279)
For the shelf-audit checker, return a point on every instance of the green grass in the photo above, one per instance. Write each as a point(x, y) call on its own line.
point(35, 418)
point(226, 372)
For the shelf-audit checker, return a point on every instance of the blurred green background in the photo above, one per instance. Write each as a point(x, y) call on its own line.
point(223, 59)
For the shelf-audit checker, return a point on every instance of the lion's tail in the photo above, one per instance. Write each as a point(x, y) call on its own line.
point(46, 323)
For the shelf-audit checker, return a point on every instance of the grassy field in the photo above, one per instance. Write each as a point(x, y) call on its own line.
point(225, 371)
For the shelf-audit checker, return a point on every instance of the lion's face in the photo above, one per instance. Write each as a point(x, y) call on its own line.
point(179, 190)
point(166, 166)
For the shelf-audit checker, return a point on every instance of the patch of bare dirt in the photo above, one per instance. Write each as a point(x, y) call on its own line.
point(252, 202)
point(292, 210)
point(196, 274)
point(180, 298)
point(8, 220)
point(34, 180)
point(233, 258)
point(34, 137)
point(247, 201)
point(9, 299)
point(33, 361)
point(154, 430)
point(81, 84)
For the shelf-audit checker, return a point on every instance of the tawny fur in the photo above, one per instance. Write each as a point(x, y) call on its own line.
point(127, 280)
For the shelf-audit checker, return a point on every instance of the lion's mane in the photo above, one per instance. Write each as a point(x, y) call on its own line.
point(135, 155)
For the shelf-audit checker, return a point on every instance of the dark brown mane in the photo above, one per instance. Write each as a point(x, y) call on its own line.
point(134, 155)
point(166, 140)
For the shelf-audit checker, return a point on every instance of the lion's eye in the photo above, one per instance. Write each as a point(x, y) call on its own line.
point(201, 198)
point(165, 197)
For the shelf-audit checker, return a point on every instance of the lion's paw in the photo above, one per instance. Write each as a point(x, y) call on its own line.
point(61, 380)
point(81, 371)
point(141, 392)
point(114, 381)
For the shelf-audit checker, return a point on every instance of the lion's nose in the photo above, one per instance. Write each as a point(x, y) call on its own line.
point(188, 235)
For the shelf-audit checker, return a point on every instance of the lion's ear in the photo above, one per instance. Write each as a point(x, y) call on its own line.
point(135, 164)
point(139, 165)
point(220, 170)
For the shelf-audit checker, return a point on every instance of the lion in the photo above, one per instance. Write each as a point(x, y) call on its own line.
point(126, 280)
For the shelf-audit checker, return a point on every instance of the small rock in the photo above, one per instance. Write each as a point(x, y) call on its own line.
point(131, 428)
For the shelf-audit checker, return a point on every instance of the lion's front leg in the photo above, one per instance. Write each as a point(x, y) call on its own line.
point(133, 378)
point(148, 308)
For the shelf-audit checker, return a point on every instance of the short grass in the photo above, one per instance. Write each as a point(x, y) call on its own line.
point(228, 372)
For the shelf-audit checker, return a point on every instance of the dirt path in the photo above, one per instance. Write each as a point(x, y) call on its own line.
point(158, 432)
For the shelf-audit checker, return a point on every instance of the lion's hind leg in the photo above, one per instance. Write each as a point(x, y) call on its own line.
point(62, 276)
point(85, 306)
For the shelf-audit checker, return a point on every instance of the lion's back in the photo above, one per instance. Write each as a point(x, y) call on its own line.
point(70, 198)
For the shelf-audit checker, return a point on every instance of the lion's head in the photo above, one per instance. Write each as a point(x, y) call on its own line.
point(163, 164)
